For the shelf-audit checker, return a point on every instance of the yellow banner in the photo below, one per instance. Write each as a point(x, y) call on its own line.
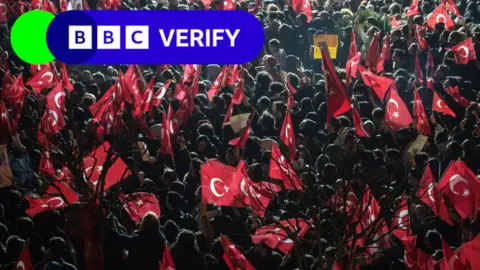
point(332, 43)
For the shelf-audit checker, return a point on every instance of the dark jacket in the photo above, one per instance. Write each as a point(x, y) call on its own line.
point(145, 250)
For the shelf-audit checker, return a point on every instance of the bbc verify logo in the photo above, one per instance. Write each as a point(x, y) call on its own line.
point(137, 37)
point(108, 37)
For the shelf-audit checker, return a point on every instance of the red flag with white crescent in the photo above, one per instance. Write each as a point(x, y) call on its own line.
point(45, 204)
point(234, 257)
point(24, 261)
point(288, 136)
point(464, 52)
point(438, 105)
point(397, 115)
point(281, 169)
point(421, 117)
point(217, 183)
point(440, 15)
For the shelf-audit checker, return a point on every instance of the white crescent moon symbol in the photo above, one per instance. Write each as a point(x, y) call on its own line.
point(171, 127)
point(149, 98)
point(400, 218)
point(61, 202)
point(212, 187)
point(57, 97)
point(4, 12)
point(407, 261)
point(452, 261)
point(463, 48)
point(49, 74)
point(252, 191)
point(55, 117)
point(441, 16)
point(286, 240)
point(439, 104)
point(429, 191)
point(287, 127)
point(454, 180)
point(21, 265)
point(394, 102)
point(354, 195)
point(242, 187)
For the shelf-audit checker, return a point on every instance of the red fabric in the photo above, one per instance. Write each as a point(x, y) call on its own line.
point(379, 84)
point(167, 260)
point(24, 261)
point(373, 53)
point(440, 15)
point(44, 79)
point(65, 80)
point(93, 166)
point(140, 203)
point(276, 236)
point(401, 220)
point(338, 102)
point(464, 52)
point(240, 141)
point(418, 70)
point(460, 186)
point(429, 193)
point(217, 183)
point(157, 98)
point(451, 261)
point(288, 136)
point(421, 118)
point(352, 52)
point(439, 105)
point(384, 55)
point(360, 129)
point(282, 170)
point(45, 204)
point(233, 257)
point(303, 7)
point(397, 115)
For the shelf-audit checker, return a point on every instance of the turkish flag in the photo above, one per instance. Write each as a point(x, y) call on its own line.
point(419, 111)
point(44, 79)
point(24, 261)
point(282, 170)
point(140, 203)
point(401, 220)
point(410, 255)
point(45, 204)
point(233, 257)
point(65, 80)
point(7, 11)
point(430, 71)
point(440, 15)
point(56, 107)
point(338, 102)
point(219, 83)
point(429, 194)
point(14, 97)
point(288, 136)
point(191, 75)
point(418, 70)
point(249, 193)
point(239, 91)
point(93, 165)
point(455, 93)
point(452, 7)
point(460, 186)
point(384, 55)
point(451, 261)
point(351, 68)
point(134, 85)
point(303, 7)
point(413, 9)
point(217, 183)
point(167, 260)
point(166, 142)
point(439, 105)
point(395, 23)
point(420, 32)
point(396, 112)
point(234, 73)
point(468, 252)
point(186, 108)
point(228, 115)
point(291, 92)
point(360, 129)
point(276, 236)
point(464, 52)
point(147, 97)
point(352, 52)
point(157, 98)
point(373, 52)
point(240, 141)
point(379, 84)
point(62, 189)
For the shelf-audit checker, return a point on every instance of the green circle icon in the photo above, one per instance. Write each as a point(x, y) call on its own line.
point(29, 37)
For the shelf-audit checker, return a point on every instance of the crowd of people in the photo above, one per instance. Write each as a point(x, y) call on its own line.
point(364, 158)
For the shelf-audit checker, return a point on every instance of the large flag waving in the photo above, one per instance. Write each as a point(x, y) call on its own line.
point(338, 102)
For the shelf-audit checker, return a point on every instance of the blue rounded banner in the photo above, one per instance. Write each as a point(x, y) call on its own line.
point(155, 37)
